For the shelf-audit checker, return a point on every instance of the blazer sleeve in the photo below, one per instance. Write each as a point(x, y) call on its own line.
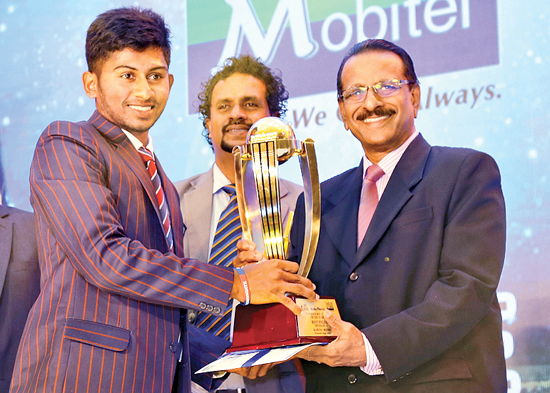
point(70, 190)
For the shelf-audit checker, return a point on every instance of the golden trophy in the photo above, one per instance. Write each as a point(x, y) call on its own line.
point(270, 142)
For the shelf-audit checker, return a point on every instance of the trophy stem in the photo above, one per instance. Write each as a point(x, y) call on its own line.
point(312, 202)
point(266, 175)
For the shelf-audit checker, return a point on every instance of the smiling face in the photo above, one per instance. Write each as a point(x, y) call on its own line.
point(131, 89)
point(237, 102)
point(381, 124)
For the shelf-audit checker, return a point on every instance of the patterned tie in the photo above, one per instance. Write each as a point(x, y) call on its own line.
point(149, 160)
point(224, 250)
point(369, 201)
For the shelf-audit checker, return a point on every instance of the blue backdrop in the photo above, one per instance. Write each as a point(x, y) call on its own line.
point(484, 74)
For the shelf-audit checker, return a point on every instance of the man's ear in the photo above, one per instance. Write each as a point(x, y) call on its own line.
point(89, 80)
point(343, 113)
point(208, 123)
point(171, 80)
point(415, 98)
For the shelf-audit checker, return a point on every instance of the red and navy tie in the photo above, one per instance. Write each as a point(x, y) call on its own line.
point(151, 166)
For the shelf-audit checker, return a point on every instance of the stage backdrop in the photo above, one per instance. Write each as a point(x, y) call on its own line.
point(484, 74)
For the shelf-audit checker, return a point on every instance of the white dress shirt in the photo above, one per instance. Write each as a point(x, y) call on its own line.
point(137, 143)
point(387, 164)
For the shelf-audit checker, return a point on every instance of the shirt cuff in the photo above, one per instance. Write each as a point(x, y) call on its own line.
point(373, 366)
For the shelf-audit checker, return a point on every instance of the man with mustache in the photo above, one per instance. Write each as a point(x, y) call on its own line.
point(233, 99)
point(411, 246)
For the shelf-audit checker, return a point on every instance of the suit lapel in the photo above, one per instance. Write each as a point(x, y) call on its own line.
point(405, 177)
point(128, 152)
point(198, 211)
point(6, 233)
point(339, 213)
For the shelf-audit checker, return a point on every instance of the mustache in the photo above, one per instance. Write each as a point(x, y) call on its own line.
point(234, 123)
point(379, 112)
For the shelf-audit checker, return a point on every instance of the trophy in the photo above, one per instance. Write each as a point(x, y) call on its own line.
point(270, 142)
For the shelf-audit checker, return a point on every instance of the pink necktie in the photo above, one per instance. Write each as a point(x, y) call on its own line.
point(149, 160)
point(369, 201)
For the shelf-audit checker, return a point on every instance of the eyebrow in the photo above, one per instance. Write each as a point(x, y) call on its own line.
point(250, 98)
point(241, 99)
point(135, 69)
point(224, 100)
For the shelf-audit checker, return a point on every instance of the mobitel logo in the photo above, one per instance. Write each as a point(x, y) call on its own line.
point(306, 40)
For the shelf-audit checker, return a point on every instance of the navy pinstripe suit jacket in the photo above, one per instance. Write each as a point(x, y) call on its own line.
point(107, 317)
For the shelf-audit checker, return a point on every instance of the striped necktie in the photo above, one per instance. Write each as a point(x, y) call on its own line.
point(149, 160)
point(369, 201)
point(224, 250)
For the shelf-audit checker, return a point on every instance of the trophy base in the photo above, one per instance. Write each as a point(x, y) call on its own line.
point(274, 325)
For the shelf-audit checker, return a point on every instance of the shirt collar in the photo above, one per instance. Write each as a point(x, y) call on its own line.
point(219, 179)
point(390, 160)
point(137, 143)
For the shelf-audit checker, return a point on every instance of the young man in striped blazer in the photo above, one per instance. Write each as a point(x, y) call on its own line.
point(110, 243)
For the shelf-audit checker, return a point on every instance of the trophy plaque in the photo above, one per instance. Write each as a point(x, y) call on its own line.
point(270, 142)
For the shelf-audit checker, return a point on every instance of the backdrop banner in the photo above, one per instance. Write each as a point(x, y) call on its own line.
point(483, 67)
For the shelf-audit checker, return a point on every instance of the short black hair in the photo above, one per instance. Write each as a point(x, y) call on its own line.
point(248, 65)
point(373, 45)
point(126, 27)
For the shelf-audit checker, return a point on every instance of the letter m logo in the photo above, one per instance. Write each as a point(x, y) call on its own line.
point(264, 44)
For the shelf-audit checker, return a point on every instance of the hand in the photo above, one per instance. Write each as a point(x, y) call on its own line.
point(270, 280)
point(254, 371)
point(347, 350)
point(247, 253)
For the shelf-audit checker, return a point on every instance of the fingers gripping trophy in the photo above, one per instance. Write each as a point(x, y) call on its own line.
point(269, 143)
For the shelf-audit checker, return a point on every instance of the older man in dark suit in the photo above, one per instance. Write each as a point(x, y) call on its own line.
point(411, 245)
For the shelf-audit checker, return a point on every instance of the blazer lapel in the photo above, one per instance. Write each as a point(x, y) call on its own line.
point(114, 135)
point(198, 210)
point(6, 233)
point(405, 177)
point(339, 213)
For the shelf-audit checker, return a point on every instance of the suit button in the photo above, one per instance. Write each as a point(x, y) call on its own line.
point(387, 259)
point(217, 310)
point(202, 306)
point(191, 316)
point(352, 379)
point(173, 347)
point(353, 276)
point(209, 308)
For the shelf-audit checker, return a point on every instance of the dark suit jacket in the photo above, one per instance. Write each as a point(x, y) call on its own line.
point(196, 207)
point(424, 278)
point(19, 283)
point(108, 315)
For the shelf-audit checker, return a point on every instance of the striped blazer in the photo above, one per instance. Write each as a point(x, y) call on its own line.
point(107, 317)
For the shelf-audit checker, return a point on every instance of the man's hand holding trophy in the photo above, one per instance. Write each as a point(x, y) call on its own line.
point(271, 142)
